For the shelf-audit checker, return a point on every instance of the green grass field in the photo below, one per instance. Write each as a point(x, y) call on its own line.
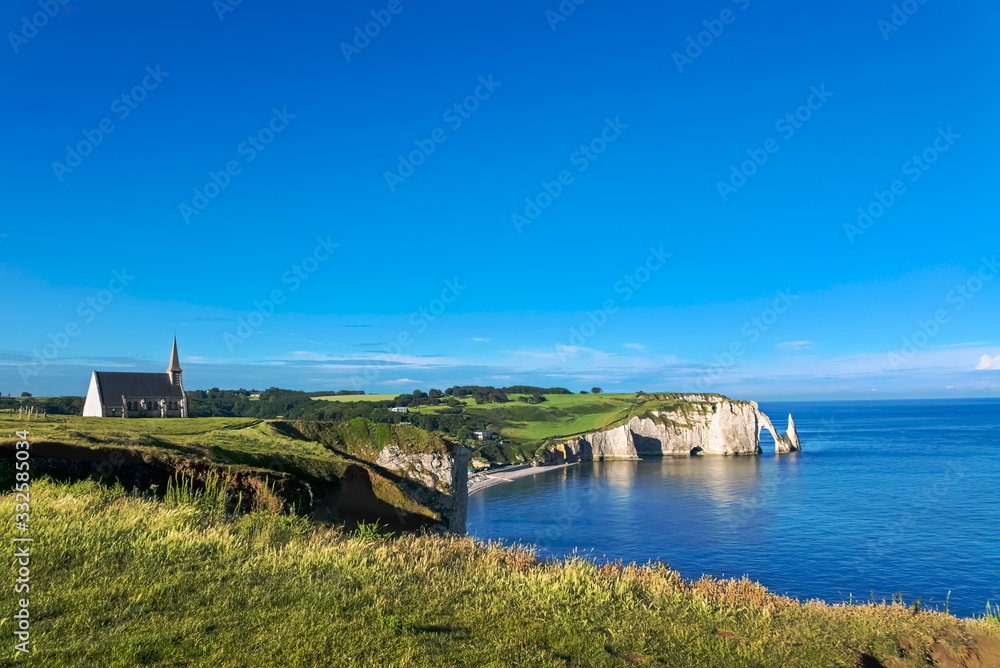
point(264, 449)
point(562, 416)
point(121, 581)
point(201, 435)
point(195, 436)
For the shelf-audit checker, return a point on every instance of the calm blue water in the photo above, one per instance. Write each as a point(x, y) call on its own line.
point(887, 497)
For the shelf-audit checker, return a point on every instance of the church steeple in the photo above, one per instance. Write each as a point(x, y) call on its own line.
point(175, 366)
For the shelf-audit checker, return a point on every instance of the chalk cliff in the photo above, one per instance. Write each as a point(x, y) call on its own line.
point(437, 481)
point(709, 424)
point(789, 440)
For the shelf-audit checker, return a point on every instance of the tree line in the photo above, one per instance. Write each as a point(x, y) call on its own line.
point(52, 405)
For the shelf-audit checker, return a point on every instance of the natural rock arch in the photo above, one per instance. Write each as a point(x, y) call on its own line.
point(788, 442)
point(764, 422)
point(701, 424)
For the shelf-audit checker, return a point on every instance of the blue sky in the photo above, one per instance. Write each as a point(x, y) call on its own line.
point(647, 197)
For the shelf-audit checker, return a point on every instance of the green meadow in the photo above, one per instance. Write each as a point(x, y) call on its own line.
point(564, 416)
point(314, 453)
point(211, 438)
point(208, 438)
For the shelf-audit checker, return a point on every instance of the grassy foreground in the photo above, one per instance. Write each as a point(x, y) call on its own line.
point(118, 580)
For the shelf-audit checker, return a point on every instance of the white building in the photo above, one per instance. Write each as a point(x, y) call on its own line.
point(400, 409)
point(484, 435)
point(137, 395)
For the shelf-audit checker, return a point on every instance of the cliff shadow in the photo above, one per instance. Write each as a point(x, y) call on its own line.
point(356, 501)
point(647, 445)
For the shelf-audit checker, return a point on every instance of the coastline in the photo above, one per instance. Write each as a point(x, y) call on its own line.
point(507, 475)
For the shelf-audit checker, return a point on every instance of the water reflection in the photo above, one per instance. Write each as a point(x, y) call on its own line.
point(724, 479)
point(678, 510)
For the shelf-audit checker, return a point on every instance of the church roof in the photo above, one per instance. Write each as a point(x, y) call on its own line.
point(113, 384)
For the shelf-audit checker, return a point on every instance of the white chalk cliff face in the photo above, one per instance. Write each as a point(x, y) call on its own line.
point(710, 424)
point(437, 481)
point(789, 440)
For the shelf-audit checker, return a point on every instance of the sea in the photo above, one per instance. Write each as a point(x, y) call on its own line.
point(886, 499)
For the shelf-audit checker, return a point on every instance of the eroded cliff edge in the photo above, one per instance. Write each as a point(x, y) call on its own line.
point(400, 476)
point(683, 424)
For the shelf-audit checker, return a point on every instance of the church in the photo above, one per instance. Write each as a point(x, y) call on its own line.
point(137, 395)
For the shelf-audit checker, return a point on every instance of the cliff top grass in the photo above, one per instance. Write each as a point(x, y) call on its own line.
point(208, 437)
point(564, 416)
point(567, 414)
point(123, 581)
point(560, 415)
point(312, 452)
point(364, 438)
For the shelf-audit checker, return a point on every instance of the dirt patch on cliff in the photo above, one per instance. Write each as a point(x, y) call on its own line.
point(974, 651)
point(988, 650)
point(982, 652)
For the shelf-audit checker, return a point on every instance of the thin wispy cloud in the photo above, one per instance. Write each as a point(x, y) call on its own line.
point(370, 356)
point(480, 339)
point(636, 346)
point(560, 353)
point(967, 344)
point(795, 345)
